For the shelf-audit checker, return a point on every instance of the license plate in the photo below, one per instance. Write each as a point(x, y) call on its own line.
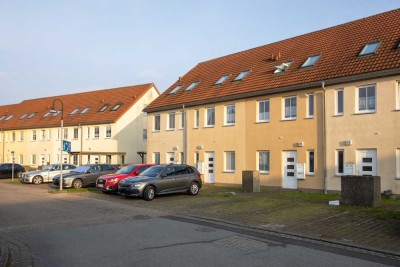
point(100, 185)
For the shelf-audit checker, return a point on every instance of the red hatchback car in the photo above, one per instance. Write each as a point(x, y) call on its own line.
point(109, 183)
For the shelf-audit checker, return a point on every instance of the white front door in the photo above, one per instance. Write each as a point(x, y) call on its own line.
point(209, 168)
point(366, 162)
point(170, 157)
point(289, 169)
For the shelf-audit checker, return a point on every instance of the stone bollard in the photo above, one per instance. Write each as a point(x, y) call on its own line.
point(251, 181)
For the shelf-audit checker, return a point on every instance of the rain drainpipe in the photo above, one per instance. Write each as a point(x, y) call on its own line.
point(184, 135)
point(324, 138)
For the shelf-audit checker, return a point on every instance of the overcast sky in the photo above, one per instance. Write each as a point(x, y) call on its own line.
point(50, 48)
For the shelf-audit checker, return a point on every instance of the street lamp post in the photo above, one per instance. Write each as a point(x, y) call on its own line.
point(53, 110)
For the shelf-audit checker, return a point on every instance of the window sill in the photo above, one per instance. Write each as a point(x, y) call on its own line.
point(264, 172)
point(366, 112)
point(291, 119)
point(262, 121)
point(195, 127)
point(107, 137)
point(228, 125)
point(168, 130)
point(209, 126)
point(228, 171)
point(309, 118)
point(157, 131)
point(310, 174)
point(338, 115)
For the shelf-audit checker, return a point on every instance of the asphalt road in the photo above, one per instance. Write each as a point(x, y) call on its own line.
point(70, 230)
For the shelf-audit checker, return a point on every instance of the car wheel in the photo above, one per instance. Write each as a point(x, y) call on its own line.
point(77, 184)
point(149, 193)
point(193, 189)
point(19, 174)
point(37, 180)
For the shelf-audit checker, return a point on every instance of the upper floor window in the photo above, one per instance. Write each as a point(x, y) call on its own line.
point(196, 118)
point(263, 111)
point(116, 107)
point(96, 132)
point(369, 48)
point(56, 113)
point(33, 135)
point(193, 85)
point(310, 106)
point(339, 102)
point(32, 115)
point(103, 108)
point(2, 117)
point(241, 75)
point(290, 107)
point(23, 116)
point(310, 61)
point(157, 120)
point(13, 137)
point(65, 133)
point(171, 121)
point(84, 110)
point(366, 99)
point(46, 115)
point(42, 135)
point(74, 111)
point(9, 117)
point(222, 79)
point(76, 131)
point(282, 67)
point(176, 89)
point(21, 136)
point(210, 114)
point(108, 131)
point(230, 115)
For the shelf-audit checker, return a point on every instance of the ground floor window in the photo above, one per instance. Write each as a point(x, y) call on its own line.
point(339, 162)
point(263, 161)
point(182, 157)
point(33, 159)
point(75, 159)
point(156, 158)
point(398, 163)
point(230, 161)
point(311, 162)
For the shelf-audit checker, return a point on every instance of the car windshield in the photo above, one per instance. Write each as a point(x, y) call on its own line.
point(153, 171)
point(127, 169)
point(81, 169)
point(48, 168)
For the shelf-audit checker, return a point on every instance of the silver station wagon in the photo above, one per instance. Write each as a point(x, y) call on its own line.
point(46, 174)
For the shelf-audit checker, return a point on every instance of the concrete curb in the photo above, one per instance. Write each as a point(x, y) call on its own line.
point(4, 256)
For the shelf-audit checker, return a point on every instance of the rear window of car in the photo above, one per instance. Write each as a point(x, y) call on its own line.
point(107, 168)
point(180, 170)
point(190, 170)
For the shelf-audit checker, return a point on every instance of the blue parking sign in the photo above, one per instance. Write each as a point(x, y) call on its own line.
point(67, 146)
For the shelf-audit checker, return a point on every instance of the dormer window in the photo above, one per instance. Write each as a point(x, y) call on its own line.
point(85, 110)
point(103, 108)
point(74, 111)
point(193, 85)
point(23, 116)
point(310, 61)
point(282, 67)
point(116, 107)
point(370, 48)
point(241, 75)
point(222, 79)
point(32, 115)
point(176, 89)
point(9, 117)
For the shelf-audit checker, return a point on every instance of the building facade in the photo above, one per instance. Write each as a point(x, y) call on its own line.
point(302, 111)
point(105, 126)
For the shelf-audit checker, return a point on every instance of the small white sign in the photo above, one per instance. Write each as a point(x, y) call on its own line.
point(300, 172)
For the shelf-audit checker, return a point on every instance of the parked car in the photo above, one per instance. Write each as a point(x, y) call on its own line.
point(85, 175)
point(6, 170)
point(109, 183)
point(46, 174)
point(162, 179)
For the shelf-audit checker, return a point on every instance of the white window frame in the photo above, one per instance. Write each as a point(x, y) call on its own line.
point(156, 155)
point(13, 137)
point(228, 159)
point(358, 100)
point(206, 117)
point(398, 163)
point(337, 113)
point(21, 136)
point(49, 134)
point(108, 131)
point(258, 110)
point(337, 173)
point(155, 123)
point(21, 159)
point(290, 108)
point(76, 133)
point(182, 124)
point(196, 118)
point(33, 159)
point(96, 132)
point(268, 163)
point(226, 122)
point(309, 172)
point(398, 95)
point(309, 97)
point(34, 137)
point(171, 115)
point(42, 135)
point(88, 133)
point(65, 133)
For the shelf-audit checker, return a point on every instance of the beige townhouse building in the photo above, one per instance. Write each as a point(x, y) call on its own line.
point(301, 111)
point(103, 126)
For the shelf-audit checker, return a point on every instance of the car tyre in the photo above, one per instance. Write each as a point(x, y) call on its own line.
point(78, 183)
point(149, 193)
point(193, 189)
point(37, 180)
point(19, 174)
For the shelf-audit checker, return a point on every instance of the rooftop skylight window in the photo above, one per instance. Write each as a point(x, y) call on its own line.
point(310, 61)
point(222, 79)
point(74, 111)
point(9, 117)
point(176, 89)
point(369, 48)
point(56, 113)
point(23, 116)
point(103, 108)
point(282, 67)
point(193, 85)
point(85, 110)
point(2, 117)
point(116, 107)
point(32, 115)
point(241, 75)
point(46, 115)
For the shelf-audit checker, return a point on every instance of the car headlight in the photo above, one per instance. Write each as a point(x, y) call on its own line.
point(136, 185)
point(113, 180)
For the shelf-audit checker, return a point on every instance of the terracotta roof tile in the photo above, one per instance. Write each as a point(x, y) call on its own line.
point(94, 99)
point(337, 46)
